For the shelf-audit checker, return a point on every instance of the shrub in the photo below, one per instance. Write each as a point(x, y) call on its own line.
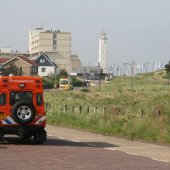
point(76, 82)
point(47, 84)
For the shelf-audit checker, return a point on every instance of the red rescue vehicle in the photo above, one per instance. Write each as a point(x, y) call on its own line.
point(22, 109)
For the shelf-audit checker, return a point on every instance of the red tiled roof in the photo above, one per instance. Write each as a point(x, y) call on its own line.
point(3, 60)
point(28, 60)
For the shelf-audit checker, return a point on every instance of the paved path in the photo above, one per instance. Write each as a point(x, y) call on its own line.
point(67, 149)
point(153, 151)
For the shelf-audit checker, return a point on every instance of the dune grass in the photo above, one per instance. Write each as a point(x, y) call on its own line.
point(140, 111)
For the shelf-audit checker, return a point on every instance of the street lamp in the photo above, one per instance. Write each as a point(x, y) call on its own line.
point(99, 71)
point(131, 68)
point(55, 86)
point(146, 69)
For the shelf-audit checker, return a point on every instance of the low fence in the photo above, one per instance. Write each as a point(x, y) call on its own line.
point(76, 109)
point(164, 81)
point(98, 110)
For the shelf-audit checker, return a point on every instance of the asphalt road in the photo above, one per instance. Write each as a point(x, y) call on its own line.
point(68, 149)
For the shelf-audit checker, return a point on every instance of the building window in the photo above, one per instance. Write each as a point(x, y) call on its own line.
point(54, 48)
point(54, 36)
point(54, 42)
point(43, 70)
point(42, 60)
point(34, 69)
point(21, 69)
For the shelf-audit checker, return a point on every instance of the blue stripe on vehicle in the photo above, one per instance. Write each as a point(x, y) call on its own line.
point(11, 120)
point(7, 121)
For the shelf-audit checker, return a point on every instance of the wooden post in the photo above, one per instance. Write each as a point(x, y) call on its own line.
point(73, 109)
point(88, 109)
point(65, 109)
point(159, 113)
point(80, 109)
point(142, 113)
point(104, 112)
point(47, 105)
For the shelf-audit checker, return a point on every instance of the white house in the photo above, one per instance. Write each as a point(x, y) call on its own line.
point(46, 66)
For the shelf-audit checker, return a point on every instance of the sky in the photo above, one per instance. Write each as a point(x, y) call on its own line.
point(137, 30)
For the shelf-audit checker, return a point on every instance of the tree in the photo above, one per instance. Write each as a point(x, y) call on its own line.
point(167, 67)
point(12, 69)
point(63, 73)
point(1, 69)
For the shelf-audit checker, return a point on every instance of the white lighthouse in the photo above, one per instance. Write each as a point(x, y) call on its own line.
point(103, 53)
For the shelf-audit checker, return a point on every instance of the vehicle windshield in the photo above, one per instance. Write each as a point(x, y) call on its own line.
point(63, 81)
point(16, 96)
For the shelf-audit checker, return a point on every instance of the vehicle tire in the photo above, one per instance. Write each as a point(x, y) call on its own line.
point(27, 135)
point(23, 112)
point(1, 134)
point(40, 136)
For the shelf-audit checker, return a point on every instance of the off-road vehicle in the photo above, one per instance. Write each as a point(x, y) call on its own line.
point(22, 109)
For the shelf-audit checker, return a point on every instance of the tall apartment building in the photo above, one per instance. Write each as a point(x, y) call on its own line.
point(56, 44)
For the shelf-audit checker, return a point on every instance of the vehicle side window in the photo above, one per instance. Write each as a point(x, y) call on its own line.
point(39, 99)
point(2, 99)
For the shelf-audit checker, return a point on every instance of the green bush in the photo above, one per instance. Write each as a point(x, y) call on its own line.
point(76, 82)
point(47, 84)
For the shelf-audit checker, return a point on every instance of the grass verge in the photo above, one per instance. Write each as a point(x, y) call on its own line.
point(141, 112)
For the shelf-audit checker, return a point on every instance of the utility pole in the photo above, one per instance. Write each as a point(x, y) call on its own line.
point(131, 71)
point(99, 73)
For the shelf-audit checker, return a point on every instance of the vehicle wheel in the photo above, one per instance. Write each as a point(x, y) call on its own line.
point(23, 112)
point(40, 136)
point(27, 135)
point(1, 134)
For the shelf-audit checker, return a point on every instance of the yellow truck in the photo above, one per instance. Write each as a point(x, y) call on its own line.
point(65, 84)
